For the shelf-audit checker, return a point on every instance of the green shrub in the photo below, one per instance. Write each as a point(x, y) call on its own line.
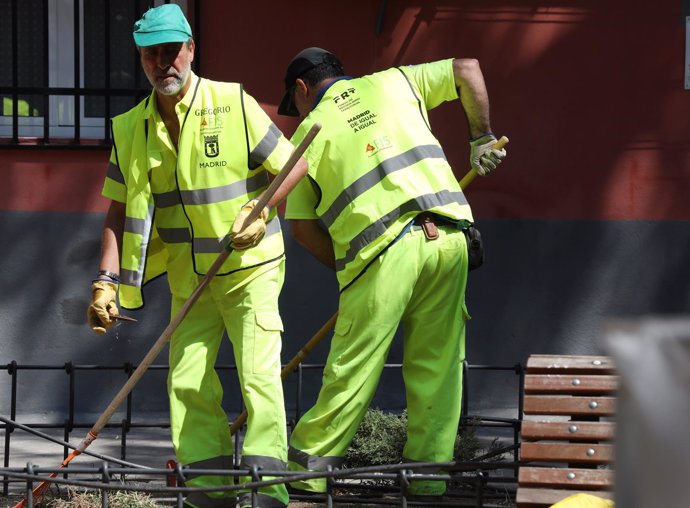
point(381, 437)
point(467, 446)
point(379, 440)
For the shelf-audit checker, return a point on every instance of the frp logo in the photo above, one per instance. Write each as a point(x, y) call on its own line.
point(345, 95)
point(377, 144)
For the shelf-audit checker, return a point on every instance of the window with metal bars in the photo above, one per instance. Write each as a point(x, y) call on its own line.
point(66, 68)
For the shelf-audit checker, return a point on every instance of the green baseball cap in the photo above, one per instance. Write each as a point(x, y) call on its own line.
point(160, 25)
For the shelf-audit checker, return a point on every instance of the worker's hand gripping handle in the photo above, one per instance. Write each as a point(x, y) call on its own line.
point(471, 174)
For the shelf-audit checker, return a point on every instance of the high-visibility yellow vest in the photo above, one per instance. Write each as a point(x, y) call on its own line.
point(217, 172)
point(376, 164)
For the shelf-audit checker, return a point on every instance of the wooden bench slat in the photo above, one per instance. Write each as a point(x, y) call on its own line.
point(567, 397)
point(527, 497)
point(571, 431)
point(581, 453)
point(569, 406)
point(571, 383)
point(558, 477)
point(545, 364)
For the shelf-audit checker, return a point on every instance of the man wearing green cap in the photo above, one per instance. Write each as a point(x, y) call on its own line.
point(186, 161)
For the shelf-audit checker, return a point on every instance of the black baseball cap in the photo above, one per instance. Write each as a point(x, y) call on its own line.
point(304, 61)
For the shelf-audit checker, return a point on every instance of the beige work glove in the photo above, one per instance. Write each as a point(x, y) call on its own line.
point(102, 306)
point(254, 232)
point(483, 156)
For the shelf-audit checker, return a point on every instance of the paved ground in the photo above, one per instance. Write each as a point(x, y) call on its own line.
point(149, 447)
point(145, 447)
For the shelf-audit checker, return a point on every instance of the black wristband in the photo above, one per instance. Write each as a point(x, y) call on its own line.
point(112, 275)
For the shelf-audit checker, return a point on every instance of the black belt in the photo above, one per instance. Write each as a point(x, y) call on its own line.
point(439, 220)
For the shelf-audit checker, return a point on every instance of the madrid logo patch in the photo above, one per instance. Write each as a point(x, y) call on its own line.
point(211, 146)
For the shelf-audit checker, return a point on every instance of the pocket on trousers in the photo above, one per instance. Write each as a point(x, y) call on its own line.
point(343, 325)
point(269, 321)
point(265, 351)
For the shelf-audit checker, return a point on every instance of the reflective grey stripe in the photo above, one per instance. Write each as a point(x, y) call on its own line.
point(202, 500)
point(114, 173)
point(175, 235)
point(265, 147)
point(215, 245)
point(130, 277)
point(139, 227)
point(264, 462)
point(312, 462)
point(166, 199)
point(208, 245)
point(225, 192)
point(262, 500)
point(213, 194)
point(370, 179)
point(136, 226)
point(380, 226)
point(221, 462)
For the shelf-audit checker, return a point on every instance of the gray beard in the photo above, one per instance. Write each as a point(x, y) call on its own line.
point(172, 88)
point(175, 86)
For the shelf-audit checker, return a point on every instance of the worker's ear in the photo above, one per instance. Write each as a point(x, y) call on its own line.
point(301, 88)
point(191, 45)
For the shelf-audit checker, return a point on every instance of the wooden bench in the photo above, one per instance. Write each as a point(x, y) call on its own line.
point(566, 438)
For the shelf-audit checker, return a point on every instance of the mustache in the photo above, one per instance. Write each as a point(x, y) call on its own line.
point(168, 74)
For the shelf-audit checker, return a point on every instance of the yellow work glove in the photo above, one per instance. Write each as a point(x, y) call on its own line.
point(254, 232)
point(483, 156)
point(102, 306)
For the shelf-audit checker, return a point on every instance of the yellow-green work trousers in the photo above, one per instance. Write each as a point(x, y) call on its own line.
point(246, 305)
point(421, 284)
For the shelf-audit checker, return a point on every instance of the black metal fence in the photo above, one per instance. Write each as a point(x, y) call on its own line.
point(479, 482)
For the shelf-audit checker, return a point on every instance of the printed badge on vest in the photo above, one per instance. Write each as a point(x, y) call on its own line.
point(211, 146)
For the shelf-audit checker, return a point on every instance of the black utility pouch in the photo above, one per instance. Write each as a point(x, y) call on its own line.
point(475, 248)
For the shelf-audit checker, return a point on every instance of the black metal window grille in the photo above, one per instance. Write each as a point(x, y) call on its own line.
point(67, 67)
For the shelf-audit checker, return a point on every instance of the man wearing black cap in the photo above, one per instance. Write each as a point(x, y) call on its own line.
point(186, 161)
point(381, 206)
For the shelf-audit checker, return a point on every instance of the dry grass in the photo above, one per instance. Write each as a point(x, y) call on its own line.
point(85, 499)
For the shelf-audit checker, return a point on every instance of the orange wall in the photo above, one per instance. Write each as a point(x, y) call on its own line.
point(589, 92)
point(53, 180)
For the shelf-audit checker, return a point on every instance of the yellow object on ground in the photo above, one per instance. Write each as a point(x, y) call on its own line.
point(583, 500)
